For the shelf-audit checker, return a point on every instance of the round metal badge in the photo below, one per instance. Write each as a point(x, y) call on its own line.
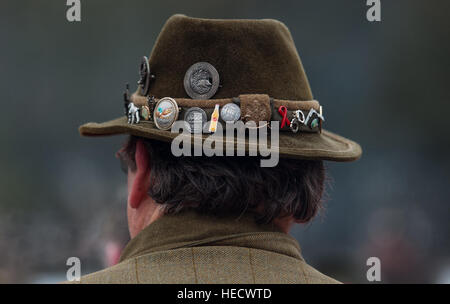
point(196, 118)
point(230, 112)
point(144, 72)
point(165, 113)
point(201, 81)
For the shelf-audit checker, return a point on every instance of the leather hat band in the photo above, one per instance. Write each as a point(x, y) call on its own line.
point(306, 115)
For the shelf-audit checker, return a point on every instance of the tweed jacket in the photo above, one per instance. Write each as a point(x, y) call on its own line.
point(192, 248)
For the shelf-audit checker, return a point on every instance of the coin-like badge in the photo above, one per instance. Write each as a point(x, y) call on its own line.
point(165, 113)
point(230, 112)
point(196, 118)
point(201, 81)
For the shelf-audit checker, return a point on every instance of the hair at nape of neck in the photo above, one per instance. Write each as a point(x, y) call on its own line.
point(233, 185)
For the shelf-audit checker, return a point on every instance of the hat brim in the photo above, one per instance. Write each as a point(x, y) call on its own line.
point(302, 145)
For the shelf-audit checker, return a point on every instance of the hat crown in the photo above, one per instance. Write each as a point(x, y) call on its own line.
point(251, 56)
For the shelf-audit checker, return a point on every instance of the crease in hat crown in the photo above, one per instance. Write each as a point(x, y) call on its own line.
point(252, 57)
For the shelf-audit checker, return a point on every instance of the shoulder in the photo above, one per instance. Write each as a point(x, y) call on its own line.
point(218, 264)
point(313, 276)
point(122, 273)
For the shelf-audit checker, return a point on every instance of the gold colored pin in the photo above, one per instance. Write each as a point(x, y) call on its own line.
point(214, 119)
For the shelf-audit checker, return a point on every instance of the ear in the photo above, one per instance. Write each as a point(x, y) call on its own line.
point(142, 179)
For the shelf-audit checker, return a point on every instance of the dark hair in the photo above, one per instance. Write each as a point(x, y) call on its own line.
point(231, 185)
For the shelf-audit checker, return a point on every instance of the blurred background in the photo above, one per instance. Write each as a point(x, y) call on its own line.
point(383, 84)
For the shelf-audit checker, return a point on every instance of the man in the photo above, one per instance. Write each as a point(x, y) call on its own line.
point(220, 219)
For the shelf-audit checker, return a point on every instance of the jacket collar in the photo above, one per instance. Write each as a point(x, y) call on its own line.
point(190, 229)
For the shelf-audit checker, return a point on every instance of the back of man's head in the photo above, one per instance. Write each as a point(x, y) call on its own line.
point(230, 185)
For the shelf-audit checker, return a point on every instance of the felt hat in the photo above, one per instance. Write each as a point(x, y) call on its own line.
point(251, 63)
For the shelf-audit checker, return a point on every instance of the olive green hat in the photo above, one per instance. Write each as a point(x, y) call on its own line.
point(252, 64)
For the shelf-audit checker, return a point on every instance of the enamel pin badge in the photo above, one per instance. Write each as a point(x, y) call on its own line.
point(165, 113)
